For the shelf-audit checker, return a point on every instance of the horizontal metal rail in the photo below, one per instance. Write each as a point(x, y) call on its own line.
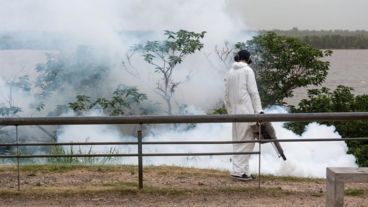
point(259, 141)
point(296, 117)
point(180, 142)
point(132, 155)
point(68, 155)
point(342, 116)
point(66, 143)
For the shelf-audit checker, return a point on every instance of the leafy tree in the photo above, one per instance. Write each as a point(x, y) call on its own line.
point(9, 110)
point(165, 55)
point(225, 53)
point(82, 104)
point(21, 83)
point(219, 110)
point(283, 64)
point(82, 71)
point(123, 101)
point(339, 100)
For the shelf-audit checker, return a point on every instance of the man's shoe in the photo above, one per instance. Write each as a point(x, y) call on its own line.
point(244, 177)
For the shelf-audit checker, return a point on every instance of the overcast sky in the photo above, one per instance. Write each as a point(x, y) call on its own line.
point(304, 14)
point(188, 14)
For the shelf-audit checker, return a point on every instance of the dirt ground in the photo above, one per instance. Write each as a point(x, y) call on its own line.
point(163, 186)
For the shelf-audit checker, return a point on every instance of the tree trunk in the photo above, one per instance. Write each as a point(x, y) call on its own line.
point(169, 107)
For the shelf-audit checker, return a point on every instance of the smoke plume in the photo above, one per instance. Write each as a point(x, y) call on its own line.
point(108, 28)
point(304, 159)
point(111, 27)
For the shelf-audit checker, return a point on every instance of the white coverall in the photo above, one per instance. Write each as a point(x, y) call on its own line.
point(241, 97)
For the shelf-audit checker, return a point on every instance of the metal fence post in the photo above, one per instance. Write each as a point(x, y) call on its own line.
point(17, 142)
point(140, 158)
point(259, 155)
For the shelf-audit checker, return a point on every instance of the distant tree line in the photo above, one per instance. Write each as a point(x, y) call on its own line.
point(321, 39)
point(329, 39)
point(337, 42)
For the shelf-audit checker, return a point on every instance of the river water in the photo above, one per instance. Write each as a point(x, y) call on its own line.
point(348, 67)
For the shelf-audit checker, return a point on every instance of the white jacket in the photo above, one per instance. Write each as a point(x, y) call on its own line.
point(241, 92)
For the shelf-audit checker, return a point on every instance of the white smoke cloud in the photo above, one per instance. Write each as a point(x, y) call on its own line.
point(304, 159)
point(99, 23)
point(12, 96)
point(114, 15)
point(4, 91)
point(93, 133)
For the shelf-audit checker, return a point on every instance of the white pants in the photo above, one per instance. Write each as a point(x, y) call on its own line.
point(242, 132)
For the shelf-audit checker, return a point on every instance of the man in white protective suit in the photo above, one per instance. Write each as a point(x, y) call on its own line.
point(242, 97)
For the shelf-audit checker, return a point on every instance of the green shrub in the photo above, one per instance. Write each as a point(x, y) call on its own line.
point(339, 100)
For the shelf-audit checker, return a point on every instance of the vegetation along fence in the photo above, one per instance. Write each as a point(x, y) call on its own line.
point(141, 120)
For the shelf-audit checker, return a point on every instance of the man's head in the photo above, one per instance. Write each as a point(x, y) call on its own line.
point(243, 56)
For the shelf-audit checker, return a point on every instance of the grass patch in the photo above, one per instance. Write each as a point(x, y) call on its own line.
point(66, 192)
point(292, 179)
point(60, 168)
point(167, 170)
point(354, 192)
point(129, 188)
point(74, 150)
point(122, 184)
point(159, 170)
point(123, 187)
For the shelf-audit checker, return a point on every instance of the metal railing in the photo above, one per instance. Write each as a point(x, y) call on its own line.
point(305, 117)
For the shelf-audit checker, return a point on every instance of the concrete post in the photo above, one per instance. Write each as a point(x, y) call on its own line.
point(336, 177)
point(335, 192)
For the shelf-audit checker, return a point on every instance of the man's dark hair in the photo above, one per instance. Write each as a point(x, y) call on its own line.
point(243, 55)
